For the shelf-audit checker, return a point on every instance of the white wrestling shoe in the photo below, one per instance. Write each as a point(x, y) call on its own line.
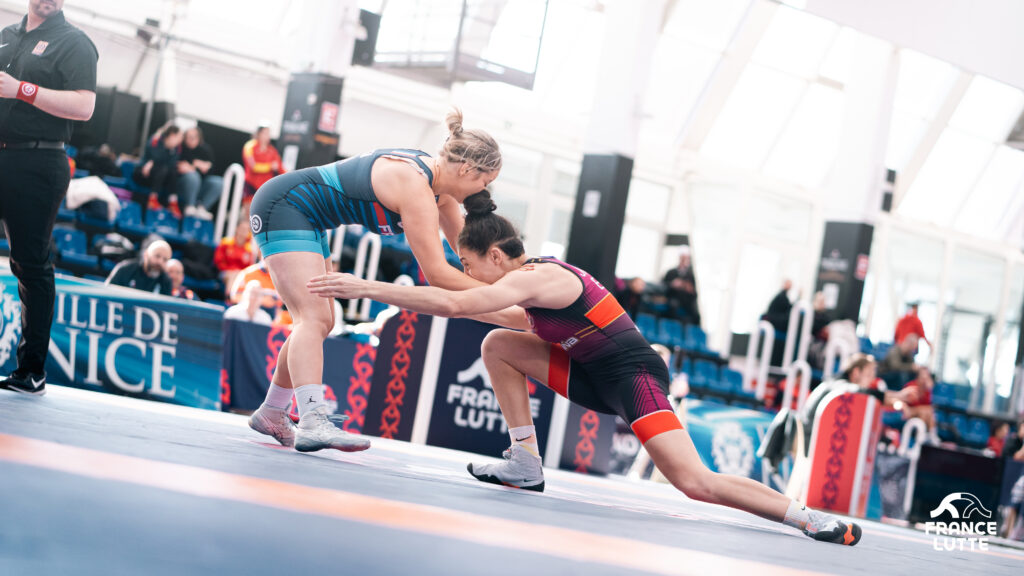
point(273, 422)
point(316, 432)
point(827, 528)
point(519, 469)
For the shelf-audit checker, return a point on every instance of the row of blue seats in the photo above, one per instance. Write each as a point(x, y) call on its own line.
point(73, 253)
point(672, 333)
point(130, 222)
point(972, 431)
point(706, 375)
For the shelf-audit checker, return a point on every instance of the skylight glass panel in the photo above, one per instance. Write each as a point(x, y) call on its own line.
point(678, 75)
point(923, 84)
point(808, 146)
point(994, 193)
point(839, 61)
point(795, 42)
point(755, 113)
point(708, 24)
point(948, 175)
point(905, 133)
point(988, 109)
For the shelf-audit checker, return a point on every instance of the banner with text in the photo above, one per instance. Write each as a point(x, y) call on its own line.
point(123, 341)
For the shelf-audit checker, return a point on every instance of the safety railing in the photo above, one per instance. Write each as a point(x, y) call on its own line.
point(756, 355)
point(801, 314)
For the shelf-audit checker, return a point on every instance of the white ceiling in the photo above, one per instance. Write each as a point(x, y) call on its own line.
point(980, 36)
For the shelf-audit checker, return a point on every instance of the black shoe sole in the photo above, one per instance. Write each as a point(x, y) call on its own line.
point(850, 536)
point(41, 391)
point(490, 479)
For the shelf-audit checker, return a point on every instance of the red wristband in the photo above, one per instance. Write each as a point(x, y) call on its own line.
point(27, 92)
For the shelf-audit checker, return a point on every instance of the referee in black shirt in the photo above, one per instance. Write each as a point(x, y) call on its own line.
point(47, 80)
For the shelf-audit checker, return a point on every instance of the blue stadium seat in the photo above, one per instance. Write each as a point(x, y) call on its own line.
point(5, 246)
point(205, 285)
point(961, 397)
point(79, 173)
point(694, 338)
point(977, 432)
point(164, 223)
point(198, 229)
point(705, 374)
point(865, 345)
point(70, 150)
point(670, 332)
point(733, 380)
point(959, 423)
point(943, 394)
point(63, 214)
point(129, 220)
point(648, 326)
point(687, 367)
point(71, 247)
point(116, 181)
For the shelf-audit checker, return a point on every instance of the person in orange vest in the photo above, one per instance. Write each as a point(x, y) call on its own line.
point(261, 160)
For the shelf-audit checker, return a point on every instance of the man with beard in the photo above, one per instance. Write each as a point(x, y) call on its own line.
point(146, 273)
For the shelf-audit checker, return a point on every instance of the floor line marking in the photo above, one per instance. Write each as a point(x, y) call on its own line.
point(492, 531)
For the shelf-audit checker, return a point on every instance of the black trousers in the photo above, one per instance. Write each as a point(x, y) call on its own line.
point(32, 184)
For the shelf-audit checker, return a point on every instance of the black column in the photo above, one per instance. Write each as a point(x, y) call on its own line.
point(843, 267)
point(310, 119)
point(599, 214)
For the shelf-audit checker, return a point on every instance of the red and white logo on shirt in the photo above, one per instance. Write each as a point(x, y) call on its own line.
point(40, 48)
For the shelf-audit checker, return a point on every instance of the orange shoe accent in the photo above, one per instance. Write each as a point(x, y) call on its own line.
point(848, 537)
point(154, 202)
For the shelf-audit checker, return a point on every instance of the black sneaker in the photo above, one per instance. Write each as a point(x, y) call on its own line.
point(25, 383)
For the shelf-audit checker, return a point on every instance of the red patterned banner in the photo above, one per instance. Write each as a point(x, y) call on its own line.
point(405, 337)
point(589, 425)
point(359, 387)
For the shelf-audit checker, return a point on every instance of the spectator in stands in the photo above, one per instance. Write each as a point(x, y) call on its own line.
point(261, 160)
point(159, 169)
point(997, 441)
point(780, 307)
point(100, 161)
point(681, 290)
point(234, 253)
point(146, 273)
point(1014, 446)
point(198, 188)
point(1015, 519)
point(248, 308)
point(862, 370)
point(916, 397)
point(901, 356)
point(261, 274)
point(632, 297)
point(910, 324)
point(176, 272)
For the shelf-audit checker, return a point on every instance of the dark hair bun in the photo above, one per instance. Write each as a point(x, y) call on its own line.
point(479, 204)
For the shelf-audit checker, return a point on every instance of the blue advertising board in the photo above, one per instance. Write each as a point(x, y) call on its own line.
point(123, 341)
point(465, 414)
point(726, 437)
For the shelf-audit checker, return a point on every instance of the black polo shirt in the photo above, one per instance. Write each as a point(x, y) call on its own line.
point(55, 55)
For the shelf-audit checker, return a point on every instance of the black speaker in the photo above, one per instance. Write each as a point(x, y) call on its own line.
point(365, 48)
point(115, 121)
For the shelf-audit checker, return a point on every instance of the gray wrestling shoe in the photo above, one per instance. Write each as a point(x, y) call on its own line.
point(519, 469)
point(827, 528)
point(273, 422)
point(316, 432)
